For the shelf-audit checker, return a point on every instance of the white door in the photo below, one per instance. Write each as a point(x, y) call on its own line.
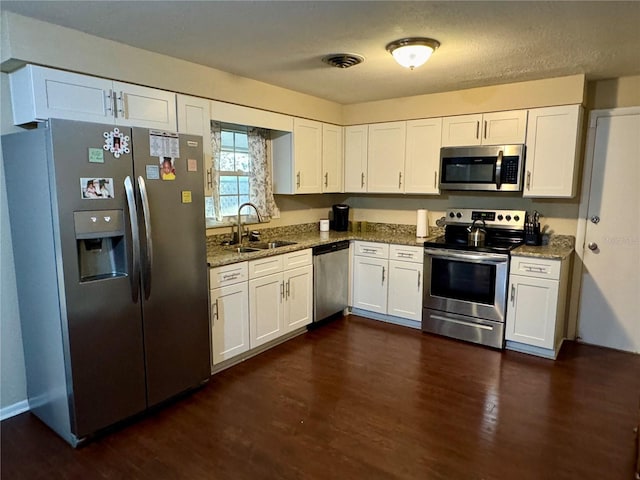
point(194, 117)
point(370, 284)
point(307, 155)
point(531, 313)
point(504, 128)
point(266, 309)
point(387, 143)
point(461, 130)
point(145, 107)
point(356, 141)
point(405, 290)
point(610, 294)
point(423, 156)
point(299, 298)
point(332, 158)
point(229, 321)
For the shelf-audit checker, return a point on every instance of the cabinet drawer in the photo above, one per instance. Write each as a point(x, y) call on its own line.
point(370, 249)
point(406, 253)
point(535, 267)
point(228, 275)
point(265, 266)
point(297, 259)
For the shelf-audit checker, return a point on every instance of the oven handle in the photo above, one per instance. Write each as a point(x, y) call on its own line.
point(466, 256)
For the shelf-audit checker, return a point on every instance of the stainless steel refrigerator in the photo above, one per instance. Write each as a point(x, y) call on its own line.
point(109, 245)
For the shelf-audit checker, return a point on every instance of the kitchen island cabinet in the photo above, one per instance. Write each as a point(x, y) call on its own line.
point(536, 310)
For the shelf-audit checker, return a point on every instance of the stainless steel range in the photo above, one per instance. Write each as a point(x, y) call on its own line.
point(466, 274)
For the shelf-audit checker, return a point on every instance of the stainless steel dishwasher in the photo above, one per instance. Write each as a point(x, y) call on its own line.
point(330, 279)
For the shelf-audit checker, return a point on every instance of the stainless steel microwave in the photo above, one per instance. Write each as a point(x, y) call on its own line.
point(492, 168)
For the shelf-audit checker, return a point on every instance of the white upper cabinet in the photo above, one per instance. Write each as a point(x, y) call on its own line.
point(194, 118)
point(386, 157)
point(332, 158)
point(553, 147)
point(497, 128)
point(356, 140)
point(307, 155)
point(39, 93)
point(422, 162)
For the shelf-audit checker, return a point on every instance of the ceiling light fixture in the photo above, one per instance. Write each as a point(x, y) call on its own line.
point(412, 52)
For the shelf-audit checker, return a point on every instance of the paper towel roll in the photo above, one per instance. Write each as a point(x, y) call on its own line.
point(422, 227)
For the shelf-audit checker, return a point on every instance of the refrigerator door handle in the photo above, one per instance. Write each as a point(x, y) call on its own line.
point(146, 212)
point(135, 237)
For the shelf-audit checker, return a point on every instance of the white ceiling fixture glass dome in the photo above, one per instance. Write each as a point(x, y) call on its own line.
point(412, 52)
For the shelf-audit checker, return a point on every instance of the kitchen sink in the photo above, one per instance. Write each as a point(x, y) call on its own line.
point(248, 249)
point(272, 244)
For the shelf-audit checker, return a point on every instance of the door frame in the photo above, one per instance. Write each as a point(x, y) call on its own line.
point(585, 194)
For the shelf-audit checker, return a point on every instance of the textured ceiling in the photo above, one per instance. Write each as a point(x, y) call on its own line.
point(281, 43)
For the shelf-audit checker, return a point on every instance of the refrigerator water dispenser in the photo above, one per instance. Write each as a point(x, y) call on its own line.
point(101, 244)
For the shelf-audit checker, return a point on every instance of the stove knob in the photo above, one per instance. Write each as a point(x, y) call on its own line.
point(508, 217)
point(516, 218)
point(500, 217)
point(459, 215)
point(451, 214)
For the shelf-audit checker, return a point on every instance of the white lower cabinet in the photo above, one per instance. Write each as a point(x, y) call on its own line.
point(387, 280)
point(229, 296)
point(280, 295)
point(536, 307)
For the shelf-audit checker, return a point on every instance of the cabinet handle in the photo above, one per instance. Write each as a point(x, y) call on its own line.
point(362, 180)
point(485, 129)
point(288, 287)
point(419, 281)
point(513, 294)
point(478, 129)
point(281, 292)
point(326, 179)
point(108, 102)
point(298, 179)
point(435, 179)
point(215, 311)
point(399, 180)
point(209, 178)
point(383, 269)
point(528, 179)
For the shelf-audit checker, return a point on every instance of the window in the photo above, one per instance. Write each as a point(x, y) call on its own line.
point(235, 171)
point(241, 173)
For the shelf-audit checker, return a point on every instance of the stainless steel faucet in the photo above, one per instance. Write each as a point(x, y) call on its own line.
point(239, 221)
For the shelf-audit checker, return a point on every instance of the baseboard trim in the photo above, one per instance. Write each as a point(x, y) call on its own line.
point(13, 410)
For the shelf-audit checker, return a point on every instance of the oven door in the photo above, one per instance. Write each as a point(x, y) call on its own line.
point(473, 284)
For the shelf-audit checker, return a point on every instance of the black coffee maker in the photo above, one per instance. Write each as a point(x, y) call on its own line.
point(340, 217)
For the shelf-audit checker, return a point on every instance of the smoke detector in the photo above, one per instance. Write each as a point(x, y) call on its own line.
point(343, 60)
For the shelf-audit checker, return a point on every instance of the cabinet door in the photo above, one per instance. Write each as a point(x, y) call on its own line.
point(531, 312)
point(194, 118)
point(145, 107)
point(266, 309)
point(332, 158)
point(422, 164)
point(298, 287)
point(229, 321)
point(39, 93)
point(307, 156)
point(461, 131)
point(504, 128)
point(356, 141)
point(553, 146)
point(387, 143)
point(370, 284)
point(405, 290)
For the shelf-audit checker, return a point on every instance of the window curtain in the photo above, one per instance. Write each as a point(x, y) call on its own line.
point(261, 185)
point(216, 143)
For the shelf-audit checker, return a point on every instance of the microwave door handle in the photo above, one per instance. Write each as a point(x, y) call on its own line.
point(499, 171)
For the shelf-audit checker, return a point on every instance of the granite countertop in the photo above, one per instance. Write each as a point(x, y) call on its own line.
point(218, 255)
point(557, 247)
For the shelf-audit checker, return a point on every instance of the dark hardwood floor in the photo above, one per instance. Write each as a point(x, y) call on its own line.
point(360, 399)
